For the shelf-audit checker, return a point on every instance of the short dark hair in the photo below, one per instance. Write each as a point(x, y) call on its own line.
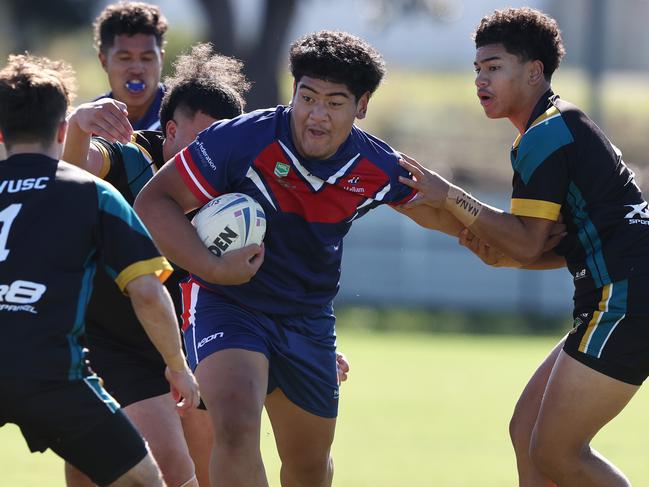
point(526, 33)
point(337, 57)
point(203, 81)
point(35, 94)
point(128, 18)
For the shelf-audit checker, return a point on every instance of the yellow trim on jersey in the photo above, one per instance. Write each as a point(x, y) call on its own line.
point(535, 208)
point(550, 112)
point(602, 308)
point(158, 266)
point(145, 153)
point(105, 166)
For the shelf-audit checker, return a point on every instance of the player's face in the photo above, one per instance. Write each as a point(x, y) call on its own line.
point(323, 115)
point(182, 130)
point(502, 82)
point(134, 66)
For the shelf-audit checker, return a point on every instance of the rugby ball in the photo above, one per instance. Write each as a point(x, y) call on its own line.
point(229, 222)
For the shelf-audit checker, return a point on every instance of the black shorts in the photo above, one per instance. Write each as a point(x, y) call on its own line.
point(78, 420)
point(130, 375)
point(611, 330)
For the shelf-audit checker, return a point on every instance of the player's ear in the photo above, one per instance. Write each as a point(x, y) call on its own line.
point(170, 130)
point(102, 59)
point(361, 106)
point(536, 72)
point(294, 91)
point(61, 131)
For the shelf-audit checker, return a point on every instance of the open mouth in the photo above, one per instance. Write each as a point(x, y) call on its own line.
point(316, 132)
point(135, 86)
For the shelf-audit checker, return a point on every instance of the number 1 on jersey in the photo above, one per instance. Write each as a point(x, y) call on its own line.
point(7, 217)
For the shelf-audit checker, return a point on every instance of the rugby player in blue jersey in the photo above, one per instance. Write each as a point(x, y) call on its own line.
point(564, 168)
point(57, 225)
point(129, 38)
point(258, 322)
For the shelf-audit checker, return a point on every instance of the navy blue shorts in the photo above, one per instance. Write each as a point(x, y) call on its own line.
point(611, 330)
point(301, 350)
point(78, 420)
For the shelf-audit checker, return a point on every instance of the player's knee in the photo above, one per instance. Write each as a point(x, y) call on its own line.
point(145, 474)
point(549, 458)
point(309, 470)
point(235, 427)
point(519, 432)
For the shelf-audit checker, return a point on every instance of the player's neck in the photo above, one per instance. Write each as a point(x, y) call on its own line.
point(520, 118)
point(135, 114)
point(54, 150)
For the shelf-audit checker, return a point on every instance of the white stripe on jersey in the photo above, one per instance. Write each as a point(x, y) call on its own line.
point(343, 170)
point(256, 180)
point(191, 175)
point(315, 182)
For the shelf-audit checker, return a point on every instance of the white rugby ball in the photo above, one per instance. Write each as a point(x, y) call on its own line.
point(229, 222)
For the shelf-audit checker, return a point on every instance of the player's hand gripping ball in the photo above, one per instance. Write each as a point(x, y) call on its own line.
point(229, 222)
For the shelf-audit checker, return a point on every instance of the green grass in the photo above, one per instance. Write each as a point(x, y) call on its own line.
point(418, 410)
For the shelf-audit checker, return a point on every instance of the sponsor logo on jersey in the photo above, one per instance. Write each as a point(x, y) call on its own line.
point(281, 169)
point(205, 156)
point(208, 339)
point(20, 296)
point(17, 185)
point(639, 214)
point(354, 180)
point(580, 274)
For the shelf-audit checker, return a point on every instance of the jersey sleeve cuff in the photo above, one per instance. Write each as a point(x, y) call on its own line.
point(158, 266)
point(536, 208)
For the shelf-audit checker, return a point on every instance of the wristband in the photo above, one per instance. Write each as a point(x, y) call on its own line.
point(462, 205)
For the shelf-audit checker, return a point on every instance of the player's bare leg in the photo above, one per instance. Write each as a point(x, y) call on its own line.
point(578, 402)
point(524, 418)
point(160, 425)
point(303, 442)
point(145, 474)
point(199, 436)
point(233, 386)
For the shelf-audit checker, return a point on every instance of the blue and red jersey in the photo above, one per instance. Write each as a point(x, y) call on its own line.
point(309, 204)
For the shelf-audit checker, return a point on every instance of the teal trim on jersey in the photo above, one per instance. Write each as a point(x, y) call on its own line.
point(111, 272)
point(617, 306)
point(588, 236)
point(94, 382)
point(77, 354)
point(538, 143)
point(113, 203)
point(138, 168)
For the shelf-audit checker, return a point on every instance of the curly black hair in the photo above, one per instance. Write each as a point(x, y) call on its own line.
point(338, 57)
point(35, 94)
point(526, 33)
point(128, 18)
point(203, 81)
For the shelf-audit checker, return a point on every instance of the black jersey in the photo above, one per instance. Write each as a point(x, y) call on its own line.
point(57, 222)
point(564, 164)
point(110, 317)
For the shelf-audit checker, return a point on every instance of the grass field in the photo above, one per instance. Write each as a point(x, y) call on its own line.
point(418, 410)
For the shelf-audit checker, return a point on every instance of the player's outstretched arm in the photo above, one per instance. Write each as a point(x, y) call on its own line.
point(154, 308)
point(162, 205)
point(521, 238)
point(493, 257)
point(105, 118)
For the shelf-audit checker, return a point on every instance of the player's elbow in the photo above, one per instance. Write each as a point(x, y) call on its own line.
point(528, 252)
point(145, 291)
